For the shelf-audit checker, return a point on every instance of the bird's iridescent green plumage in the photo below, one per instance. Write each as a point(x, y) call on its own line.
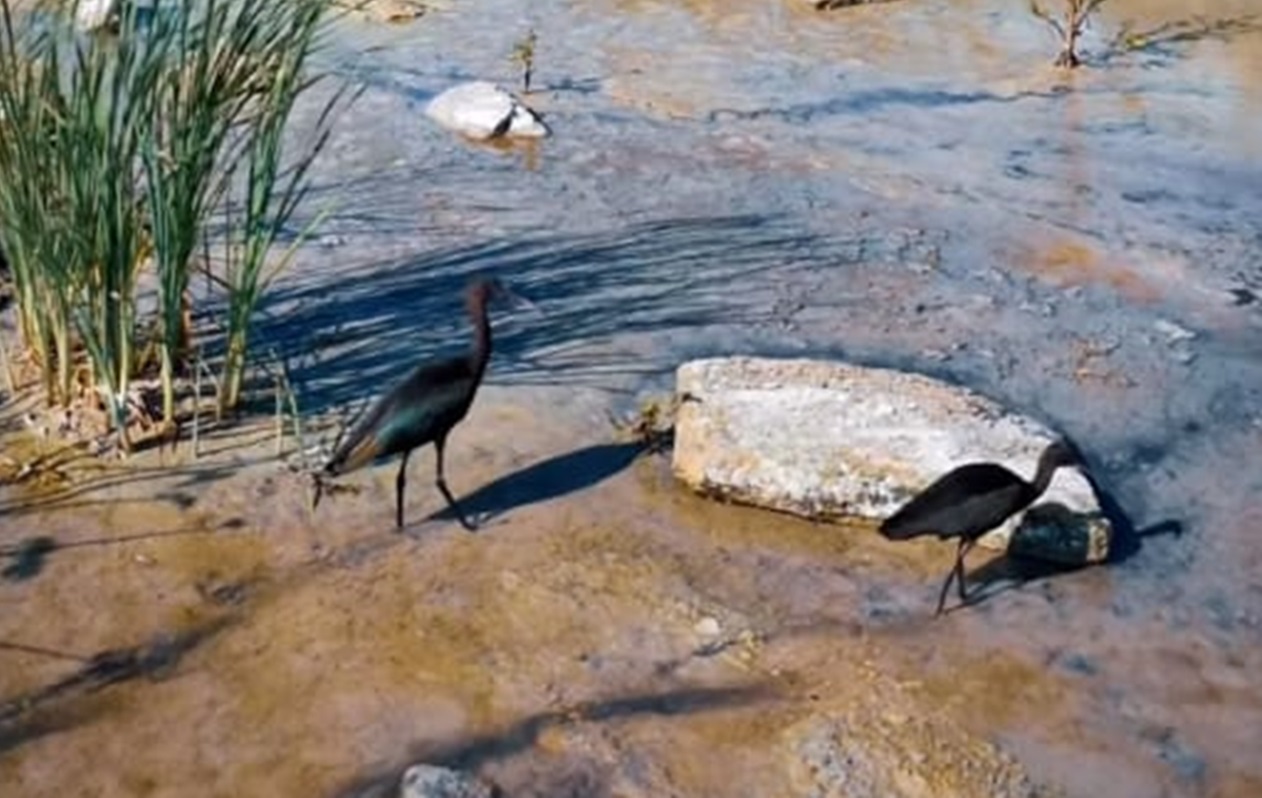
point(424, 408)
point(434, 398)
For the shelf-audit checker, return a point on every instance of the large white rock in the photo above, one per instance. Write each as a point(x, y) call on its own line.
point(482, 110)
point(829, 440)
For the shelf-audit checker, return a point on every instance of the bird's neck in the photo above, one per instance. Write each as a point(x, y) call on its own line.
point(481, 351)
point(1043, 476)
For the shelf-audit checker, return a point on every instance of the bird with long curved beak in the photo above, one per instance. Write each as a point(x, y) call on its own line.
point(424, 407)
point(969, 501)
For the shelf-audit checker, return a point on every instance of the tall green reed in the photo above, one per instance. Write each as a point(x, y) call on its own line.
point(115, 152)
point(270, 187)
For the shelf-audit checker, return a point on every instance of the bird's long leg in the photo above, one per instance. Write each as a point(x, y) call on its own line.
point(956, 571)
point(945, 587)
point(400, 482)
point(319, 491)
point(441, 482)
point(965, 547)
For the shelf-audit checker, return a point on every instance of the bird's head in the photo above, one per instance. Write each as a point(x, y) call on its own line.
point(1061, 453)
point(485, 290)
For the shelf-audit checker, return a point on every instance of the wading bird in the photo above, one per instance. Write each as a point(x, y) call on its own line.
point(424, 407)
point(971, 500)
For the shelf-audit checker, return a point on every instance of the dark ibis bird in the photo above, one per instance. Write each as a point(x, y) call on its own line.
point(425, 407)
point(971, 500)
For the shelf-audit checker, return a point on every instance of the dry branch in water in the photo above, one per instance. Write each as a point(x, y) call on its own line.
point(1069, 27)
point(524, 57)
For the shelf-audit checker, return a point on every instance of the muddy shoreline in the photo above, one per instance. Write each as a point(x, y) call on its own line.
point(726, 178)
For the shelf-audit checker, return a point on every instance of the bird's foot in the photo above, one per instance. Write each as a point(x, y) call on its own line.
point(317, 486)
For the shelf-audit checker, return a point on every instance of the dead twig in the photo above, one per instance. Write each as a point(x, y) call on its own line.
point(1068, 28)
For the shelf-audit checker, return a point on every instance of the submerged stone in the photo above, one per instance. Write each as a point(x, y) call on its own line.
point(431, 781)
point(482, 110)
point(830, 440)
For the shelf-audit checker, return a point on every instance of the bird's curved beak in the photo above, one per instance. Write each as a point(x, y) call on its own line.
point(518, 302)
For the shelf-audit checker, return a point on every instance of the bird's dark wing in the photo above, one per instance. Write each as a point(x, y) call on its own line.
point(956, 503)
point(432, 398)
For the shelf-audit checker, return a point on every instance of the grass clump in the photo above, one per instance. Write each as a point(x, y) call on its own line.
point(116, 155)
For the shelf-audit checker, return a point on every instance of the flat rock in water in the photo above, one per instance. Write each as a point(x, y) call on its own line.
point(431, 781)
point(828, 440)
point(482, 110)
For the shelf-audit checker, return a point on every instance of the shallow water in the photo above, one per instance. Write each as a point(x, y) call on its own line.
point(907, 184)
point(750, 177)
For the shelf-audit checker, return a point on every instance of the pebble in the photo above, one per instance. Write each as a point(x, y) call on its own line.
point(1173, 332)
point(707, 627)
point(1242, 296)
point(431, 781)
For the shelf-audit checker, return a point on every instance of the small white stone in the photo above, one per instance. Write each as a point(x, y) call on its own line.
point(707, 627)
point(482, 110)
point(1173, 332)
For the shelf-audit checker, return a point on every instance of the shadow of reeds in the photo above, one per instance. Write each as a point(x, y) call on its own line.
point(1169, 41)
point(181, 481)
point(29, 556)
point(473, 752)
point(53, 707)
point(660, 276)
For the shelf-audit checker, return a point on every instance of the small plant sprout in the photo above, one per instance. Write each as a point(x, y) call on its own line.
point(524, 56)
point(1068, 27)
point(286, 402)
point(652, 426)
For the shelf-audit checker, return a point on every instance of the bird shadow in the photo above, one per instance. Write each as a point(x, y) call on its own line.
point(469, 753)
point(1127, 539)
point(547, 479)
point(1013, 572)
